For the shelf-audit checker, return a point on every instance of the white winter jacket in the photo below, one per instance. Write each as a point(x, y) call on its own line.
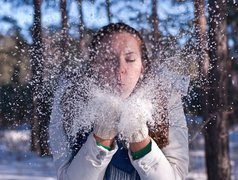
point(91, 161)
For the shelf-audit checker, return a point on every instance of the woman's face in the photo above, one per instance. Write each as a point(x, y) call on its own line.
point(118, 62)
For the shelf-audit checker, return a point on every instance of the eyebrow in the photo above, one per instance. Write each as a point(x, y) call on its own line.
point(130, 53)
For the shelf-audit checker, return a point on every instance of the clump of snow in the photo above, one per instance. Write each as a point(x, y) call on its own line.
point(109, 108)
point(102, 111)
point(135, 114)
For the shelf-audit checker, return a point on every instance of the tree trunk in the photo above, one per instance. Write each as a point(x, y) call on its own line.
point(216, 134)
point(200, 31)
point(64, 29)
point(81, 25)
point(39, 134)
point(109, 14)
point(155, 28)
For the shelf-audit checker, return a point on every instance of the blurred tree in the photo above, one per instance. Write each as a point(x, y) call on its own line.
point(152, 36)
point(14, 74)
point(216, 132)
point(233, 27)
point(201, 37)
point(81, 24)
point(39, 135)
point(64, 28)
point(84, 32)
point(232, 24)
point(155, 25)
point(108, 7)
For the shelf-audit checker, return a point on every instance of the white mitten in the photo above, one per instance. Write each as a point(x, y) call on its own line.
point(136, 112)
point(104, 113)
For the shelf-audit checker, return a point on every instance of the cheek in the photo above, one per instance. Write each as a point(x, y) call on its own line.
point(135, 71)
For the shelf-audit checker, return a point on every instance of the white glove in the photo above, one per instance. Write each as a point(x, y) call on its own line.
point(104, 113)
point(136, 112)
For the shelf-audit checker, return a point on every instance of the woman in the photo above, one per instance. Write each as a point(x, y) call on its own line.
point(134, 136)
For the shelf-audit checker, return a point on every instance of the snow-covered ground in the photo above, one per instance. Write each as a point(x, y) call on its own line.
point(18, 163)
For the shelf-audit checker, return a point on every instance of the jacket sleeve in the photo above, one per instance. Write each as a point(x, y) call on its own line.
point(91, 160)
point(171, 162)
point(154, 165)
point(57, 139)
point(177, 151)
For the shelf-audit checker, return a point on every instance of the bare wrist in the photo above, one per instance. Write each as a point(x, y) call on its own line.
point(105, 142)
point(134, 147)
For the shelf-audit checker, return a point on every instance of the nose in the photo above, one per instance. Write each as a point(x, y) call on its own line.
point(122, 67)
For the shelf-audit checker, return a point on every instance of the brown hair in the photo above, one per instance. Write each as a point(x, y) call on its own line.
point(159, 131)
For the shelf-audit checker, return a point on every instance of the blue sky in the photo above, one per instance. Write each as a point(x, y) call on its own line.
point(94, 16)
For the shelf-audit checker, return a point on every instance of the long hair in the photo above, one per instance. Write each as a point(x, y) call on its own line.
point(159, 130)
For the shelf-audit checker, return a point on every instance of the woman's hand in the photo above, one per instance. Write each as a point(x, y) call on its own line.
point(137, 146)
point(104, 142)
point(136, 112)
point(104, 112)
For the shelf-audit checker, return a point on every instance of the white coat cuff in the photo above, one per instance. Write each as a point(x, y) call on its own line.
point(153, 165)
point(91, 161)
point(96, 155)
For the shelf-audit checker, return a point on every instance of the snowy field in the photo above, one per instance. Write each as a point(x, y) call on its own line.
point(18, 163)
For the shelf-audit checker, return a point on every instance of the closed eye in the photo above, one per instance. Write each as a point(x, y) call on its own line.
point(130, 57)
point(130, 60)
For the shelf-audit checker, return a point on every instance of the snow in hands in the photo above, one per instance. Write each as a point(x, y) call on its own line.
point(110, 115)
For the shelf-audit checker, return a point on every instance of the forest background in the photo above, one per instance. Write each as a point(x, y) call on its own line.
point(38, 38)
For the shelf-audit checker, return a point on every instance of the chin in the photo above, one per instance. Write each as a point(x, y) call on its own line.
point(126, 94)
